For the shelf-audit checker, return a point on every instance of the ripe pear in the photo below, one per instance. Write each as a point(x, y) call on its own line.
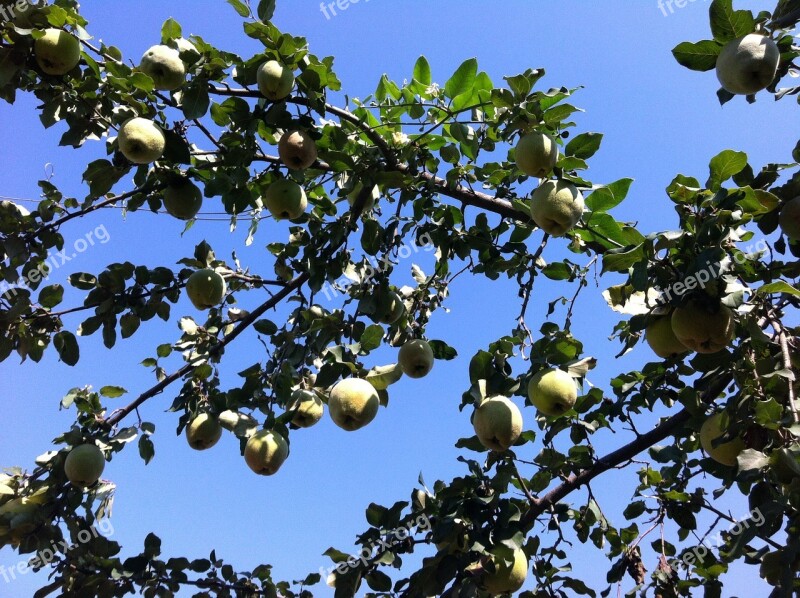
point(203, 432)
point(497, 422)
point(552, 391)
point(789, 219)
point(205, 288)
point(536, 154)
point(748, 64)
point(415, 358)
point(265, 452)
point(390, 308)
point(57, 52)
point(556, 207)
point(701, 329)
point(662, 339)
point(183, 199)
point(353, 403)
point(141, 140)
point(274, 80)
point(297, 149)
point(164, 66)
point(722, 453)
point(285, 199)
point(307, 408)
point(84, 465)
point(508, 576)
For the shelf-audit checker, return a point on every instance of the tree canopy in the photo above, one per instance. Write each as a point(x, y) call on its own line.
point(483, 178)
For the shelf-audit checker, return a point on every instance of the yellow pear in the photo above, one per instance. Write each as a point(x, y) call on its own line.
point(662, 339)
point(141, 140)
point(508, 576)
point(722, 453)
point(205, 288)
point(285, 199)
point(265, 452)
point(297, 149)
point(164, 66)
point(536, 154)
point(353, 403)
point(307, 408)
point(274, 80)
point(702, 329)
point(415, 358)
point(57, 52)
point(556, 207)
point(497, 422)
point(552, 391)
point(203, 432)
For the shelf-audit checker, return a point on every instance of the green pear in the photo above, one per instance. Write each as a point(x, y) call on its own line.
point(164, 66)
point(725, 453)
point(84, 465)
point(265, 452)
point(297, 149)
point(285, 199)
point(789, 219)
point(536, 154)
point(701, 329)
point(141, 140)
point(307, 408)
point(57, 52)
point(353, 403)
point(390, 308)
point(748, 64)
point(203, 432)
point(415, 358)
point(205, 288)
point(497, 422)
point(274, 80)
point(556, 207)
point(662, 339)
point(183, 199)
point(552, 391)
point(509, 576)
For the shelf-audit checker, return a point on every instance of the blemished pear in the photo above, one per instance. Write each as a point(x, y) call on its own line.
point(353, 403)
point(205, 288)
point(725, 453)
point(57, 52)
point(141, 140)
point(662, 339)
point(508, 576)
point(183, 199)
point(552, 391)
point(701, 329)
point(265, 452)
point(789, 219)
point(556, 207)
point(536, 154)
point(164, 66)
point(748, 64)
point(285, 199)
point(307, 408)
point(415, 358)
point(203, 432)
point(297, 149)
point(84, 465)
point(275, 81)
point(497, 422)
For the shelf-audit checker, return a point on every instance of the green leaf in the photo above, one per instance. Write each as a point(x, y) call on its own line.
point(605, 198)
point(265, 10)
point(462, 80)
point(382, 376)
point(195, 100)
point(266, 327)
point(723, 166)
point(422, 71)
point(441, 350)
point(51, 296)
point(379, 581)
point(112, 392)
point(728, 24)
point(372, 337)
point(584, 146)
point(240, 7)
point(67, 346)
point(170, 30)
point(778, 287)
point(376, 514)
point(700, 56)
point(102, 176)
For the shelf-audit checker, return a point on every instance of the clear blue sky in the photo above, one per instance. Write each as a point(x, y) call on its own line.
point(659, 120)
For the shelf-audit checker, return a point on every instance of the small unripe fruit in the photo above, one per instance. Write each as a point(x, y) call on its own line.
point(84, 465)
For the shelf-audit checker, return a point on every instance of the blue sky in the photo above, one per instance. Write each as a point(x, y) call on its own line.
point(658, 119)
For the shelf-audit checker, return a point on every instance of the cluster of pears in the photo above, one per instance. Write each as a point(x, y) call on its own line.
point(556, 206)
point(691, 327)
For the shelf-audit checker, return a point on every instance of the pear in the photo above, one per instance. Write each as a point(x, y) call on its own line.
point(203, 432)
point(536, 154)
point(307, 408)
point(748, 64)
point(353, 403)
point(497, 422)
point(297, 149)
point(205, 288)
point(57, 52)
point(508, 577)
point(164, 66)
point(285, 199)
point(274, 80)
point(662, 339)
point(701, 329)
point(552, 392)
point(725, 453)
point(556, 207)
point(415, 358)
point(84, 465)
point(141, 140)
point(265, 452)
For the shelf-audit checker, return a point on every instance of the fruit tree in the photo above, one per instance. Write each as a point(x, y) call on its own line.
point(472, 177)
